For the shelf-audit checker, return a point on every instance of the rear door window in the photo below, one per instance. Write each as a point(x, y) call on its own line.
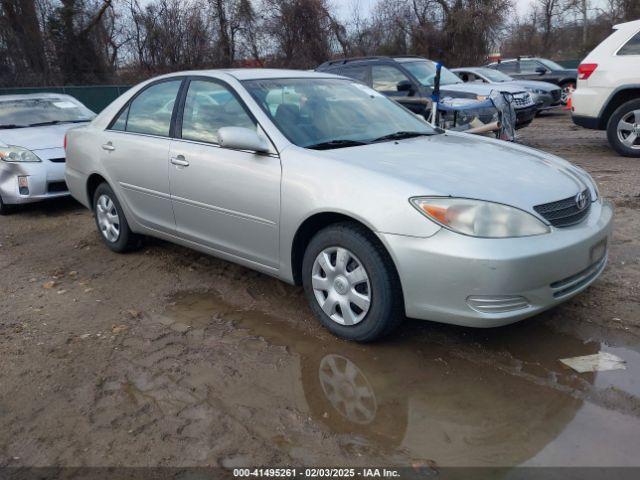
point(386, 78)
point(632, 47)
point(507, 67)
point(150, 112)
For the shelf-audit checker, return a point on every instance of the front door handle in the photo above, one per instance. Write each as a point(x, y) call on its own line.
point(108, 147)
point(180, 161)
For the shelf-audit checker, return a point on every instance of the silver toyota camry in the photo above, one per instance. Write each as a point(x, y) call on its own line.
point(319, 180)
point(32, 129)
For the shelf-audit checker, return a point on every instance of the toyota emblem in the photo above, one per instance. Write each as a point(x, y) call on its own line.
point(581, 200)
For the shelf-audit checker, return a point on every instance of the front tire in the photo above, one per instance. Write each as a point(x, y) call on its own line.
point(351, 283)
point(4, 208)
point(623, 129)
point(111, 222)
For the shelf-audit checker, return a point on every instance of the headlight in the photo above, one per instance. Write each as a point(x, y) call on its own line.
point(482, 98)
point(17, 154)
point(536, 90)
point(478, 218)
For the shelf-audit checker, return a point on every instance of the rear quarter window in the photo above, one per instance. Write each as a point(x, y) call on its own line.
point(632, 47)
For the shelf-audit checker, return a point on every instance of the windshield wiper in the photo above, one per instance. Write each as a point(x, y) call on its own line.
point(340, 143)
point(12, 125)
point(401, 135)
point(54, 122)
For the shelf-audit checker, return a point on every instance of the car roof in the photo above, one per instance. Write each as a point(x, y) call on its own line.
point(373, 59)
point(256, 73)
point(631, 25)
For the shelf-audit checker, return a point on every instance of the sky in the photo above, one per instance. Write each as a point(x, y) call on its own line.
point(346, 6)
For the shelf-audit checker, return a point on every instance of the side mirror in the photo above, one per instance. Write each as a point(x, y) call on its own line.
point(541, 70)
point(404, 86)
point(240, 138)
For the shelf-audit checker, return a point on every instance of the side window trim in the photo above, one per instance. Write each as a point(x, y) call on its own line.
point(127, 106)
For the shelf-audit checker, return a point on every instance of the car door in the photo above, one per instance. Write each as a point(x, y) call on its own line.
point(225, 199)
point(532, 70)
point(136, 154)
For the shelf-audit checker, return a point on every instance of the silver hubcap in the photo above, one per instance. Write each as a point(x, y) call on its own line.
point(108, 219)
point(566, 92)
point(341, 285)
point(629, 129)
point(347, 389)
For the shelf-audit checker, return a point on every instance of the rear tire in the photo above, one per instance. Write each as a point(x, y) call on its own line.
point(111, 222)
point(617, 133)
point(361, 306)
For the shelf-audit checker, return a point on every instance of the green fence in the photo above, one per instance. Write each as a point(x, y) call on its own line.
point(95, 97)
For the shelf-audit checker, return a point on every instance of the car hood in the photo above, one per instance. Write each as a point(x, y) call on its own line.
point(464, 165)
point(545, 86)
point(479, 88)
point(37, 138)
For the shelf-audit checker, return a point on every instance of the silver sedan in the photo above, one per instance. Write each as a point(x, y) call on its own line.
point(321, 181)
point(32, 129)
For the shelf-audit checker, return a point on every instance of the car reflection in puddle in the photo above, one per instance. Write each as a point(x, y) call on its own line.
point(483, 399)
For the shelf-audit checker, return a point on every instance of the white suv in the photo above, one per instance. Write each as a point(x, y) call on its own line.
point(608, 92)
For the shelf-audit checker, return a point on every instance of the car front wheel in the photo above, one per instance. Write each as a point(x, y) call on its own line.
point(351, 283)
point(623, 129)
point(111, 222)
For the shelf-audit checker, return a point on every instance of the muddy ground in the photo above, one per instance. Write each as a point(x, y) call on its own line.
point(167, 357)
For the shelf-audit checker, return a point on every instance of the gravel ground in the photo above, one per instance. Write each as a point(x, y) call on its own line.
point(167, 357)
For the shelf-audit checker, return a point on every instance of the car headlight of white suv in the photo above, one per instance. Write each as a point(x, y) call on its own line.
point(479, 218)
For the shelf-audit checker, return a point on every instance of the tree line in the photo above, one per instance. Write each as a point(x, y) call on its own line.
point(77, 42)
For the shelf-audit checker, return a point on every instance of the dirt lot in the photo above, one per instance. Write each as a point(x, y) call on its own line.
point(167, 357)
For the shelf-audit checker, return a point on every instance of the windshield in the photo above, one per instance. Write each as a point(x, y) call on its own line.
point(550, 64)
point(494, 75)
point(425, 72)
point(37, 111)
point(335, 112)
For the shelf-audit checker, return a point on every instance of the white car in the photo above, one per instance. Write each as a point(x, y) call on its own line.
point(32, 158)
point(608, 93)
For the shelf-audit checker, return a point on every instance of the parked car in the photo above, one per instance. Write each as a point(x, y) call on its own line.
point(322, 181)
point(531, 68)
point(32, 129)
point(608, 94)
point(545, 95)
point(407, 78)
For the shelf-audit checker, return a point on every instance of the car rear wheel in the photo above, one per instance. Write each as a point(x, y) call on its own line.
point(111, 222)
point(623, 129)
point(351, 283)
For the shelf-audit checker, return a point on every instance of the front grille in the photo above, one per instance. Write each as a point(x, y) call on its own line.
point(521, 100)
point(57, 187)
point(57, 160)
point(565, 212)
point(556, 94)
point(575, 282)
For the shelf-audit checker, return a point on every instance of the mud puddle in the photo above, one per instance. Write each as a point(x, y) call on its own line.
point(447, 395)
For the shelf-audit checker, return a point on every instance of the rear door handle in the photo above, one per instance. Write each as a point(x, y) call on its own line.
point(180, 161)
point(108, 147)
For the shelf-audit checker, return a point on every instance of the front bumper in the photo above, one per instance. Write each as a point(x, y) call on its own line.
point(45, 180)
point(524, 116)
point(443, 274)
